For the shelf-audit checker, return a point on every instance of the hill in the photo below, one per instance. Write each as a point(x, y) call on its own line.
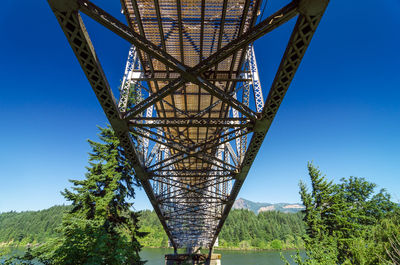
point(243, 228)
point(31, 226)
point(258, 207)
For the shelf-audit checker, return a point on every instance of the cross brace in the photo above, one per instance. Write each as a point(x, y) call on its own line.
point(170, 177)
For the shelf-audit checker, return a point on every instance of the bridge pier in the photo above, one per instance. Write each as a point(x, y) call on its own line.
point(192, 259)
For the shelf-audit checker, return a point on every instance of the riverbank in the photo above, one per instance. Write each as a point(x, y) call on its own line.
point(275, 245)
point(258, 249)
point(11, 244)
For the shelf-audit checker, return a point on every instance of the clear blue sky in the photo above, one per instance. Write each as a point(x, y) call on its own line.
point(342, 110)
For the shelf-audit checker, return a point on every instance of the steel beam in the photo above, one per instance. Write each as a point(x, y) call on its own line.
point(71, 23)
point(190, 122)
point(189, 74)
point(173, 161)
point(302, 34)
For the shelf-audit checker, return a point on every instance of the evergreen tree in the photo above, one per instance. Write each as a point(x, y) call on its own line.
point(345, 222)
point(101, 228)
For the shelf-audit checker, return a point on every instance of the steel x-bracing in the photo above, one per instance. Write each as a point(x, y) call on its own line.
point(191, 115)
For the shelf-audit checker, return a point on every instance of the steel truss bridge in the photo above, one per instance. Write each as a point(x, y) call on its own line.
point(191, 114)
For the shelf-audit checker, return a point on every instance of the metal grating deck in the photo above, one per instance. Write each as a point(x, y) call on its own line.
point(198, 118)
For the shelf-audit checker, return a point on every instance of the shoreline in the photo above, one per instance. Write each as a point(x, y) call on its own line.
point(9, 244)
point(237, 249)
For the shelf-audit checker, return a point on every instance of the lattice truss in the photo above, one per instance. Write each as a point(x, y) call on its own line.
point(191, 115)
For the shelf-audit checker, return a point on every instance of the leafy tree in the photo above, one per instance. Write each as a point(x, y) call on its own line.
point(345, 221)
point(394, 252)
point(101, 228)
point(276, 244)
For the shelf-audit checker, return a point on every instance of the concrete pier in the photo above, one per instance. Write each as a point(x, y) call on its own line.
point(192, 259)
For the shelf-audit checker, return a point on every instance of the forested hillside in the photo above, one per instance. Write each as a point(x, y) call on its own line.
point(267, 230)
point(30, 226)
point(243, 228)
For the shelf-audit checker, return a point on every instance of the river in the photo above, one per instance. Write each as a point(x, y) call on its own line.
point(155, 256)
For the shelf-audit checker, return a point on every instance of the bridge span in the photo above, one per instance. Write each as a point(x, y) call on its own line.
point(191, 114)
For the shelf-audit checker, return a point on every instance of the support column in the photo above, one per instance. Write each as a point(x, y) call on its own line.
point(192, 259)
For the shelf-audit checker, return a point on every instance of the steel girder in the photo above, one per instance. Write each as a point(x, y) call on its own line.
point(192, 182)
point(303, 31)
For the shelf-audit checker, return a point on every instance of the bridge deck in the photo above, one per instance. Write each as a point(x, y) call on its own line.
point(193, 62)
point(191, 30)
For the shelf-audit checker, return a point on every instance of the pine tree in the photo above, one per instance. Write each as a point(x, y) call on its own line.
point(344, 221)
point(320, 217)
point(101, 228)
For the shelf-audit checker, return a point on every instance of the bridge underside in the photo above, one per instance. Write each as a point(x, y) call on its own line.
point(191, 115)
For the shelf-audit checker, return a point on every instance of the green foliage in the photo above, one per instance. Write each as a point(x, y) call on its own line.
point(258, 231)
point(31, 227)
point(276, 244)
point(394, 251)
point(386, 234)
point(100, 228)
point(347, 223)
point(245, 229)
point(156, 236)
point(344, 223)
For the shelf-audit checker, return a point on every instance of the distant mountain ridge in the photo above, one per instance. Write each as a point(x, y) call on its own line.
point(258, 207)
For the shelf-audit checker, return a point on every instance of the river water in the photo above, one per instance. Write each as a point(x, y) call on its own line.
point(155, 256)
